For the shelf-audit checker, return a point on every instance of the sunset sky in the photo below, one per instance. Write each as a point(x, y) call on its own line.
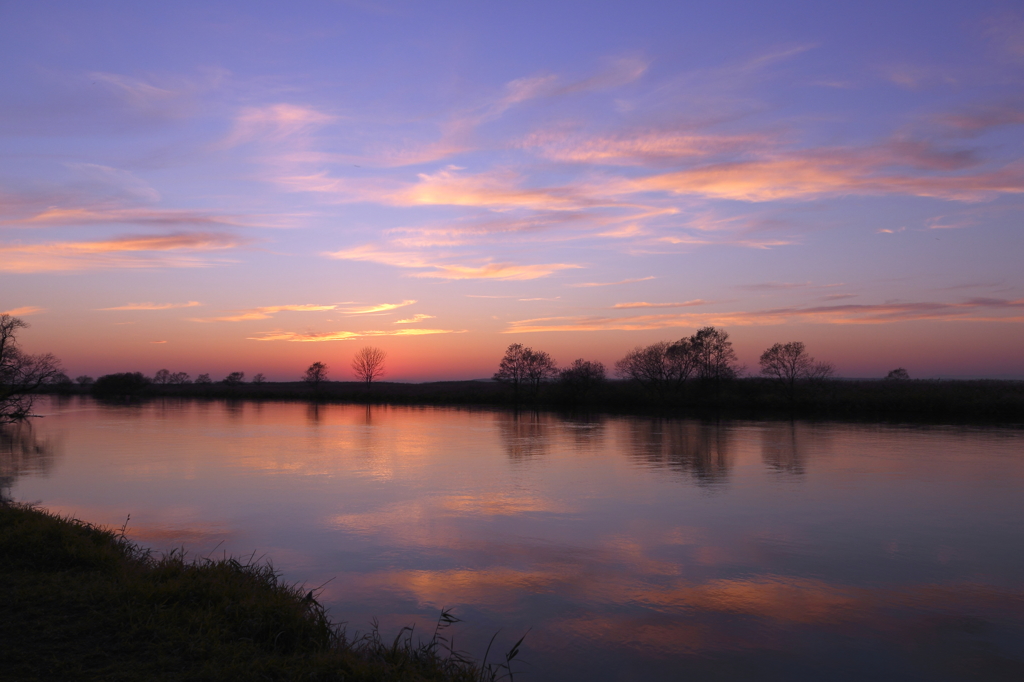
point(211, 187)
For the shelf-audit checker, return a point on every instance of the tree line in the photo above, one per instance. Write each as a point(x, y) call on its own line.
point(665, 367)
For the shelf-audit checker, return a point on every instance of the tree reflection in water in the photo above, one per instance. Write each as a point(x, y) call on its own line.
point(701, 449)
point(525, 435)
point(22, 452)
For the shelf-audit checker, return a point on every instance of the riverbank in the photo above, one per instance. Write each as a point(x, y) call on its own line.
point(78, 602)
point(948, 401)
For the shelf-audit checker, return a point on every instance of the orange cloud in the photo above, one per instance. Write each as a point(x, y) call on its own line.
point(408, 259)
point(827, 173)
point(379, 308)
point(974, 310)
point(418, 317)
point(345, 336)
point(500, 271)
point(644, 304)
point(24, 310)
point(610, 284)
point(121, 252)
point(275, 122)
point(644, 148)
point(153, 306)
point(265, 312)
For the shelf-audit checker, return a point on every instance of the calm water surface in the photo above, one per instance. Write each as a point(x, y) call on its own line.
point(631, 548)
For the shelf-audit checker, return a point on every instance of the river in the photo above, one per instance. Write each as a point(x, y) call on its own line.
point(628, 548)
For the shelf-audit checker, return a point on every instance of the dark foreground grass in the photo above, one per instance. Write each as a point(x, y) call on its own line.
point(78, 602)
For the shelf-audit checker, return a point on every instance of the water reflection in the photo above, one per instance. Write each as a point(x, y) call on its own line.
point(781, 448)
point(899, 555)
point(525, 435)
point(701, 449)
point(23, 451)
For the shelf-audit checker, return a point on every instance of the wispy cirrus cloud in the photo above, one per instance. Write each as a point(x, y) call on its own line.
point(312, 337)
point(177, 250)
point(60, 216)
point(818, 174)
point(972, 310)
point(153, 306)
point(377, 308)
point(418, 317)
point(275, 123)
point(24, 310)
point(266, 312)
point(639, 148)
point(645, 304)
point(435, 268)
point(611, 284)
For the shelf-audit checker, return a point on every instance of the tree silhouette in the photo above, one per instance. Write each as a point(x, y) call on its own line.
point(581, 377)
point(162, 377)
point(204, 379)
point(522, 365)
point(315, 375)
point(259, 378)
point(20, 373)
point(714, 357)
point(898, 374)
point(234, 378)
point(512, 368)
point(788, 363)
point(659, 367)
point(368, 364)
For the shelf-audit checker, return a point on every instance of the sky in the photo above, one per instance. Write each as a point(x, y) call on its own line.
point(255, 186)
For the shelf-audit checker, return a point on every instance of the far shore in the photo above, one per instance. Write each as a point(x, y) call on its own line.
point(956, 401)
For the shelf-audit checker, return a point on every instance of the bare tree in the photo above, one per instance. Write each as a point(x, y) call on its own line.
point(539, 368)
point(162, 377)
point(512, 369)
point(181, 378)
point(788, 363)
point(647, 365)
point(259, 378)
point(522, 365)
point(368, 364)
point(84, 380)
point(204, 379)
point(659, 367)
point(234, 378)
point(315, 375)
point(581, 377)
point(715, 358)
point(21, 373)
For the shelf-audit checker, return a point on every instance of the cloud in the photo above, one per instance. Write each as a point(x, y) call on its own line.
point(24, 310)
point(818, 174)
point(440, 270)
point(153, 306)
point(973, 310)
point(265, 312)
point(610, 284)
point(639, 148)
point(379, 308)
point(56, 216)
point(644, 304)
point(275, 123)
point(418, 317)
point(344, 335)
point(169, 250)
point(499, 271)
point(158, 342)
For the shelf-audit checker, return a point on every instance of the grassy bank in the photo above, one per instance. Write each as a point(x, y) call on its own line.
point(986, 401)
point(79, 602)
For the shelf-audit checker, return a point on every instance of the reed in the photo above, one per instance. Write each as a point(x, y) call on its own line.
point(81, 602)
